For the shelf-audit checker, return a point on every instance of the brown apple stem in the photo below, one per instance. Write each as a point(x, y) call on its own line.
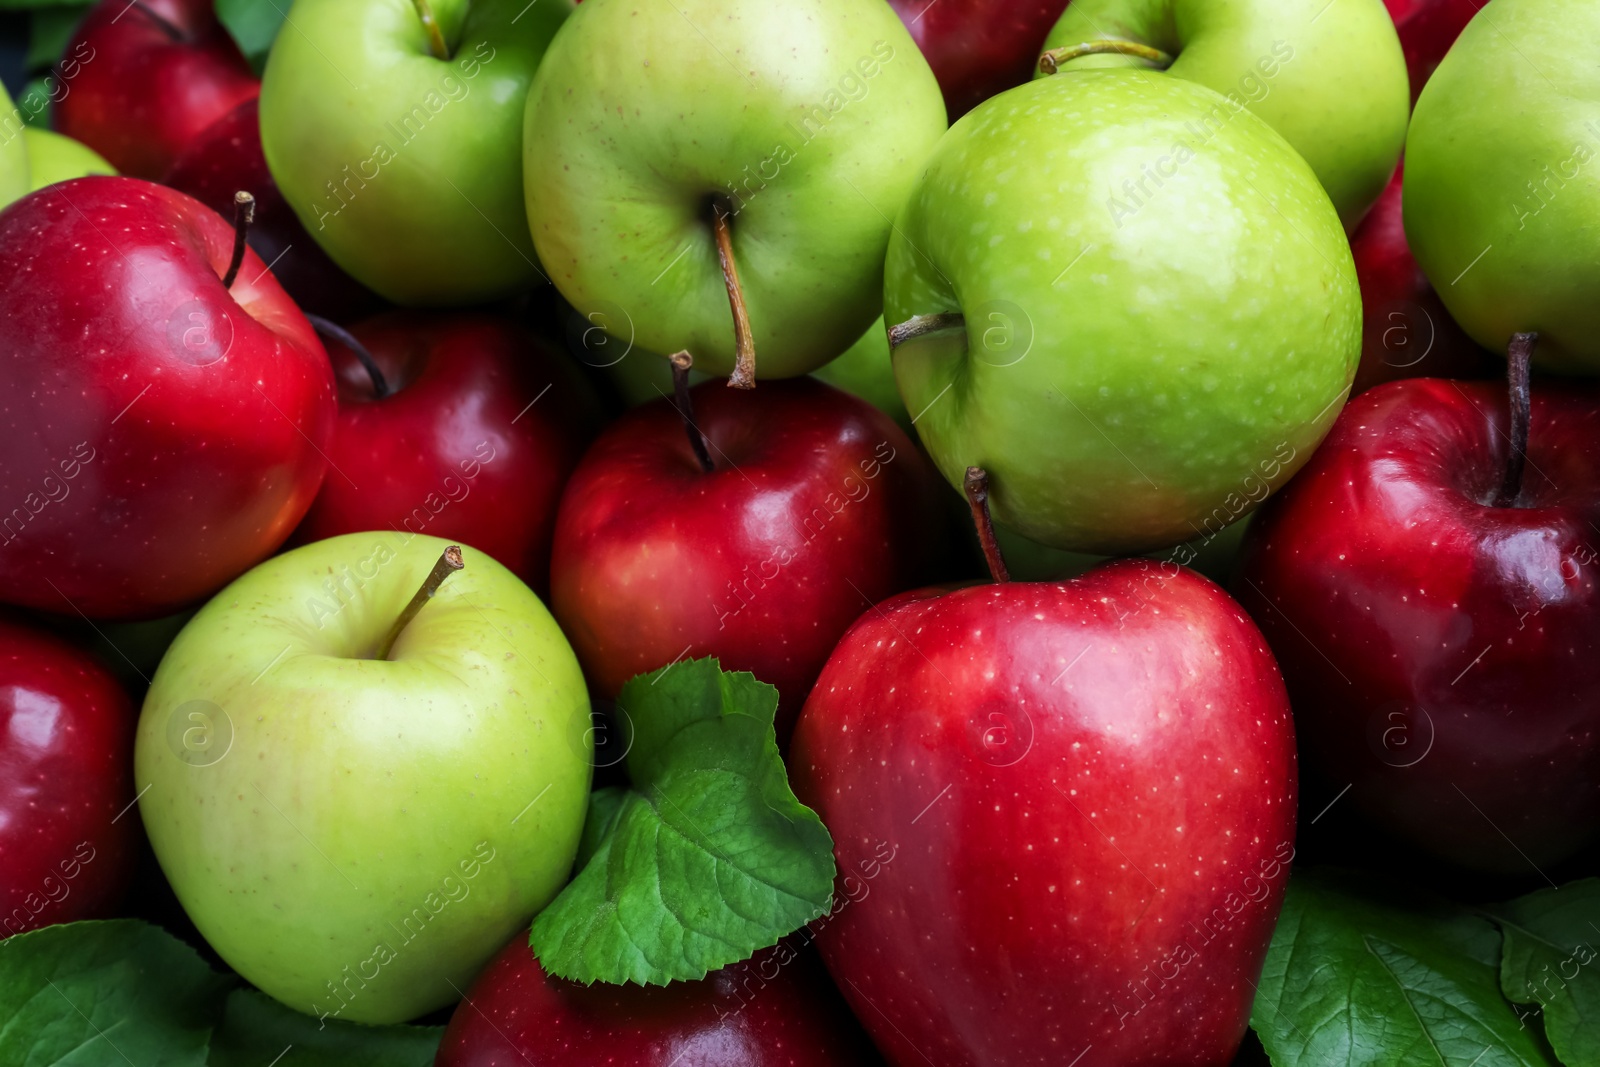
point(449, 562)
point(333, 331)
point(436, 44)
point(165, 24)
point(1054, 59)
point(244, 213)
point(1519, 360)
point(744, 364)
point(918, 325)
point(977, 486)
point(681, 362)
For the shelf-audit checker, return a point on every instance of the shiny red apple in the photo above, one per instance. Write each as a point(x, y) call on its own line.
point(69, 838)
point(151, 76)
point(1078, 799)
point(978, 48)
point(777, 1009)
point(815, 506)
point(225, 158)
point(1442, 644)
point(163, 433)
point(1427, 30)
point(473, 434)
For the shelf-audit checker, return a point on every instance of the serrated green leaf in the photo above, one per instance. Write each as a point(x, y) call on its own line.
point(1364, 975)
point(255, 1029)
point(88, 994)
point(604, 807)
point(254, 25)
point(1552, 959)
point(49, 30)
point(708, 858)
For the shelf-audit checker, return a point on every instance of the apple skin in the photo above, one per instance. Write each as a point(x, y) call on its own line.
point(1381, 573)
point(14, 166)
point(1119, 384)
point(636, 120)
point(819, 506)
point(350, 791)
point(1405, 330)
point(163, 433)
point(1427, 29)
point(66, 783)
point(226, 158)
point(866, 370)
point(140, 96)
point(1074, 779)
point(1497, 203)
point(54, 158)
point(978, 48)
point(1330, 78)
point(357, 148)
point(469, 445)
point(777, 1009)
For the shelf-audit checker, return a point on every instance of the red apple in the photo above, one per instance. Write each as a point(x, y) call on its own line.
point(1406, 331)
point(816, 507)
point(978, 48)
point(476, 433)
point(1079, 799)
point(1442, 648)
point(151, 76)
point(225, 158)
point(1427, 30)
point(67, 829)
point(776, 1009)
point(163, 433)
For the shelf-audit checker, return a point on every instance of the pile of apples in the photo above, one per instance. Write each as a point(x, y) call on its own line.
point(422, 418)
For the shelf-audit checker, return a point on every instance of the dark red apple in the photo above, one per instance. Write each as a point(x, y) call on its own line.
point(68, 833)
point(151, 76)
point(777, 1009)
point(816, 506)
point(1406, 331)
point(1079, 800)
point(479, 426)
point(225, 158)
point(163, 433)
point(1442, 646)
point(1427, 30)
point(978, 48)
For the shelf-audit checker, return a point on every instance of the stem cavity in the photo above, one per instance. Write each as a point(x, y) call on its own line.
point(1056, 58)
point(436, 44)
point(166, 25)
point(1519, 359)
point(977, 486)
point(244, 213)
point(449, 562)
point(681, 362)
point(919, 325)
point(744, 366)
point(332, 331)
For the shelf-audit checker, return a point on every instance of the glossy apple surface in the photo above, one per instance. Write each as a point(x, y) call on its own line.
point(777, 1009)
point(148, 78)
point(978, 48)
point(67, 828)
point(1078, 800)
point(54, 158)
point(1441, 651)
point(474, 442)
point(818, 506)
point(163, 433)
point(1427, 29)
point(13, 151)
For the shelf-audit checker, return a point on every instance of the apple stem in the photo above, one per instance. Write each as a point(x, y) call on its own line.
point(744, 364)
point(681, 362)
point(244, 213)
point(333, 331)
point(977, 486)
point(1519, 358)
point(449, 562)
point(166, 25)
point(436, 43)
point(1054, 59)
point(918, 325)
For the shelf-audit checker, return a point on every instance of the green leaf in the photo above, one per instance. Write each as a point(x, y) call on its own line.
point(604, 807)
point(254, 25)
point(256, 1028)
point(1367, 976)
point(34, 103)
point(50, 30)
point(34, 5)
point(1551, 960)
point(708, 857)
point(93, 993)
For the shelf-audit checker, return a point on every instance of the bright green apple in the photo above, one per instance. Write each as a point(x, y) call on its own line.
point(53, 158)
point(1123, 378)
point(807, 122)
point(354, 835)
point(13, 151)
point(1329, 76)
point(865, 370)
point(401, 155)
point(1502, 204)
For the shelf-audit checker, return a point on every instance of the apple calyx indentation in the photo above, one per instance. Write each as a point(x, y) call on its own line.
point(681, 362)
point(976, 485)
point(1056, 58)
point(332, 331)
point(920, 325)
point(244, 213)
point(744, 364)
point(436, 42)
point(1519, 360)
point(448, 563)
point(164, 24)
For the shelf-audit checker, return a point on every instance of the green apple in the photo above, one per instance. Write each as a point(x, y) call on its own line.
point(804, 123)
point(1213, 554)
point(13, 151)
point(53, 157)
point(1502, 203)
point(1329, 76)
point(402, 154)
point(357, 835)
point(865, 370)
point(1122, 378)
